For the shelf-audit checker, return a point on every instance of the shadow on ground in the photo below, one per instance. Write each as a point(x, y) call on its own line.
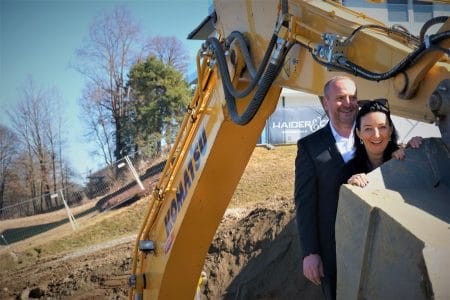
point(14, 235)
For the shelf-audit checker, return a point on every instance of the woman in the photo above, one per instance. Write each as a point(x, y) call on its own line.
point(375, 140)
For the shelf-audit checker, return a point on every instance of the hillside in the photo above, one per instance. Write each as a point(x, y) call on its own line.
point(254, 254)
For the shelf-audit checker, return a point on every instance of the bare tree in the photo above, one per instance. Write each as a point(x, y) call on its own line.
point(30, 123)
point(36, 122)
point(52, 130)
point(106, 57)
point(98, 124)
point(8, 153)
point(170, 50)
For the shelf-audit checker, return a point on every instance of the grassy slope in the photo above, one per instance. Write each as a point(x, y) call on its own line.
point(269, 175)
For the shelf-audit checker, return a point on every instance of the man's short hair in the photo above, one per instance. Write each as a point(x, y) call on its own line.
point(326, 87)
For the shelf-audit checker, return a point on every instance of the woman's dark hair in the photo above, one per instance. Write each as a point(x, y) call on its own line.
point(379, 105)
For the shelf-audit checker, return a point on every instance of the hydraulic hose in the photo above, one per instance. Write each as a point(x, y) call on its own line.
point(284, 7)
point(438, 48)
point(395, 29)
point(224, 72)
point(264, 84)
point(269, 76)
point(255, 103)
point(332, 66)
point(429, 23)
point(244, 48)
point(410, 59)
point(243, 45)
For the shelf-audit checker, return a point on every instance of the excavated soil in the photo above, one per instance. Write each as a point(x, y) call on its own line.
point(254, 255)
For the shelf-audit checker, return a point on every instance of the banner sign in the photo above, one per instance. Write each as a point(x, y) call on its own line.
point(288, 125)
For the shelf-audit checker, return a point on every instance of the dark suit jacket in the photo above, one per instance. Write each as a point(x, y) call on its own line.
point(319, 172)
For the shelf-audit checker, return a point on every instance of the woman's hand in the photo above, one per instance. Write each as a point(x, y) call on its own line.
point(360, 180)
point(399, 154)
point(415, 142)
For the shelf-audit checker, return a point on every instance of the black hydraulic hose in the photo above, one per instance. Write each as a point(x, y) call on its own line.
point(437, 48)
point(244, 48)
point(331, 66)
point(436, 38)
point(223, 67)
point(269, 76)
point(389, 30)
point(280, 65)
point(261, 67)
point(410, 59)
point(284, 7)
point(429, 23)
point(433, 47)
point(256, 102)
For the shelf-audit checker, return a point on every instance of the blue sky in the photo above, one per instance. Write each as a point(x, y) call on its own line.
point(39, 38)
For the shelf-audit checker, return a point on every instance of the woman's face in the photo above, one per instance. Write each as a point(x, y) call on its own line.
point(375, 132)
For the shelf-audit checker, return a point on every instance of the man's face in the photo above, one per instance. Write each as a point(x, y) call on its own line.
point(341, 103)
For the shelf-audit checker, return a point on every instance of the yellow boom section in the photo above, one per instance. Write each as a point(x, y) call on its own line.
point(197, 184)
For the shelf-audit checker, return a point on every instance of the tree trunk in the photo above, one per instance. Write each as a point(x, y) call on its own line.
point(2, 191)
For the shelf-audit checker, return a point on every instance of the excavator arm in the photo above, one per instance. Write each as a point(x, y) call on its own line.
point(256, 49)
point(327, 39)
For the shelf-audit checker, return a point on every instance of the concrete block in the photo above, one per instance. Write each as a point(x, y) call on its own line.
point(393, 236)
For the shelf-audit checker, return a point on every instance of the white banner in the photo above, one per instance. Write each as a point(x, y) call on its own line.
point(288, 125)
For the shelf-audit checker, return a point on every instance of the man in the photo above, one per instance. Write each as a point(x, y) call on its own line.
point(319, 173)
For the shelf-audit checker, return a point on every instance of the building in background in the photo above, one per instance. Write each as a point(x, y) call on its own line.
point(411, 14)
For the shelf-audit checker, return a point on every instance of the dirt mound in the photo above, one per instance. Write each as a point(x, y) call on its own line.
point(254, 255)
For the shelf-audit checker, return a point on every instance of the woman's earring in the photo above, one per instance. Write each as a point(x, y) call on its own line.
point(361, 141)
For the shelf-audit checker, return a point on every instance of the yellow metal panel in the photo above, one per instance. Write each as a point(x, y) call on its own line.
point(371, 49)
point(185, 226)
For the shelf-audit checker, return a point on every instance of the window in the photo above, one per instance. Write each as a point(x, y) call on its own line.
point(423, 11)
point(397, 10)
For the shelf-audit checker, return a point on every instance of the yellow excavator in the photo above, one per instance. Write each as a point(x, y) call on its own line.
point(252, 50)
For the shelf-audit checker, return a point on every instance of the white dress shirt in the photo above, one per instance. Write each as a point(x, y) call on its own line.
point(344, 145)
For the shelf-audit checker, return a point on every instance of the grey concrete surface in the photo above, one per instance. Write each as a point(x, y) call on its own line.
point(393, 236)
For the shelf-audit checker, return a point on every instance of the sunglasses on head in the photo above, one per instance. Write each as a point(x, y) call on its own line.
point(382, 101)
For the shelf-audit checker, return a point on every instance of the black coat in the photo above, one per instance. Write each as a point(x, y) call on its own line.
point(319, 172)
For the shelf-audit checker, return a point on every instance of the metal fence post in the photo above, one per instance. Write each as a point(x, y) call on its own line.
point(133, 171)
point(72, 219)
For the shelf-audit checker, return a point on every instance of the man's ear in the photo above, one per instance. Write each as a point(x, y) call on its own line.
point(324, 102)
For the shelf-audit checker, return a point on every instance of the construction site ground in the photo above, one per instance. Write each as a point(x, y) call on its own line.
point(254, 254)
